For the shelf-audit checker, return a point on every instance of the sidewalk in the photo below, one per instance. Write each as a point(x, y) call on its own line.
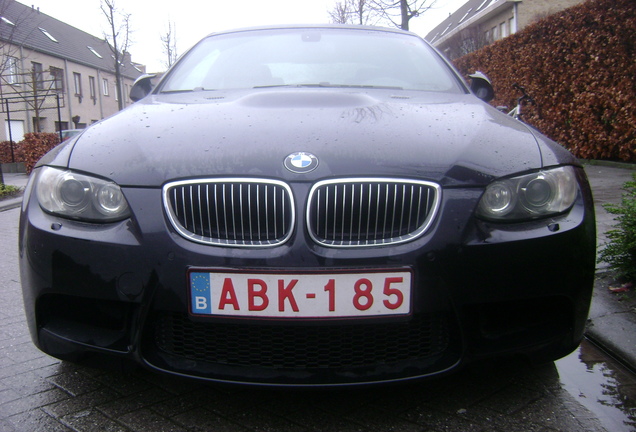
point(612, 325)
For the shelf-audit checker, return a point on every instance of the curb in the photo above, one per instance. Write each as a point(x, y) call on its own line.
point(11, 203)
point(611, 164)
point(611, 325)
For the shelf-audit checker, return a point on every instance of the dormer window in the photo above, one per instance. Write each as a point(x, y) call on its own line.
point(48, 35)
point(98, 55)
point(482, 4)
point(465, 16)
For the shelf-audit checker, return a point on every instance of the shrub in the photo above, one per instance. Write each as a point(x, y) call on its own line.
point(579, 67)
point(36, 145)
point(620, 252)
point(30, 149)
point(5, 152)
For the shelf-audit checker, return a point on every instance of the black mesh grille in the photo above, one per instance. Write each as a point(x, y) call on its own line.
point(370, 212)
point(233, 212)
point(302, 346)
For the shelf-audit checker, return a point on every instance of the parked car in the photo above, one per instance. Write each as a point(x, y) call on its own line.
point(318, 205)
point(70, 133)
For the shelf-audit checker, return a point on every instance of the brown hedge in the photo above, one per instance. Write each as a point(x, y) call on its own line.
point(580, 67)
point(30, 149)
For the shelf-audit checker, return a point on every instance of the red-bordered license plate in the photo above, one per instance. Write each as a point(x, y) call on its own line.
point(220, 292)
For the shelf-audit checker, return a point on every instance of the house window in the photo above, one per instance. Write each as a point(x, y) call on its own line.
point(494, 34)
point(60, 126)
point(38, 79)
point(39, 124)
point(93, 88)
point(11, 68)
point(57, 75)
point(502, 30)
point(77, 82)
point(105, 86)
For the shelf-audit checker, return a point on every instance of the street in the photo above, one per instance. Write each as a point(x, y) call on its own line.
point(586, 391)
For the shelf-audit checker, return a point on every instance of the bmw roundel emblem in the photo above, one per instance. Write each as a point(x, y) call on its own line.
point(301, 162)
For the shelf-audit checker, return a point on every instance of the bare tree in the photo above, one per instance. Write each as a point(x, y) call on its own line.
point(340, 13)
point(169, 42)
point(400, 12)
point(11, 40)
point(466, 41)
point(118, 40)
point(352, 12)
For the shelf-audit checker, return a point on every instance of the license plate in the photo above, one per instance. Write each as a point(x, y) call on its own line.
point(215, 292)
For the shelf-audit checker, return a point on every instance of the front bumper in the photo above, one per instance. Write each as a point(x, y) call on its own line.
point(479, 290)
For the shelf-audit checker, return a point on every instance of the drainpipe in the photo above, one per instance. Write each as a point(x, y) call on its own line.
point(100, 93)
point(28, 119)
point(68, 94)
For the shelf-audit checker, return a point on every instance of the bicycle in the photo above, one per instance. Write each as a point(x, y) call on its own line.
point(524, 98)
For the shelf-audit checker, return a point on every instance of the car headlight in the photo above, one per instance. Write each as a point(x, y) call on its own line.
point(77, 196)
point(529, 196)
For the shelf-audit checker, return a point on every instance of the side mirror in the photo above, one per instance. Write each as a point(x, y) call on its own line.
point(141, 87)
point(481, 87)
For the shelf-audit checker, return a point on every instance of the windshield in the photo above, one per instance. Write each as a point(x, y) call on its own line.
point(311, 57)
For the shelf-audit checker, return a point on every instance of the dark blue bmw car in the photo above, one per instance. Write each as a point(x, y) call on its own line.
point(319, 205)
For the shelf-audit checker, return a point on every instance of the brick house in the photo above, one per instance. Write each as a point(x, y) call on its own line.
point(43, 61)
point(480, 22)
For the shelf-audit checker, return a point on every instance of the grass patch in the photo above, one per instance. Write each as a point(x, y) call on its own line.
point(7, 191)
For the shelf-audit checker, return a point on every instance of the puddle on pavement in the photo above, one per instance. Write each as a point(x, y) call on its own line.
point(602, 385)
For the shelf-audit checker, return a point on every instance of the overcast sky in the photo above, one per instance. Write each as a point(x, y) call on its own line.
point(195, 18)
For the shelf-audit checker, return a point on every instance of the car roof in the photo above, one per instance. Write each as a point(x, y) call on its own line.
point(316, 27)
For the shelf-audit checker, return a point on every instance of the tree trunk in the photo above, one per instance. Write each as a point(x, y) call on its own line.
point(404, 9)
point(111, 19)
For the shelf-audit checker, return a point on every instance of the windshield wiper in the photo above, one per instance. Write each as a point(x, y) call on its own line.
point(175, 91)
point(363, 86)
point(291, 85)
point(196, 89)
point(328, 85)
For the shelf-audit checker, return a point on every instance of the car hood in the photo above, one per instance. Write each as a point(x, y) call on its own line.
point(449, 139)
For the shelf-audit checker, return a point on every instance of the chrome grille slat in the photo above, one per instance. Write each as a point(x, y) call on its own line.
point(241, 212)
point(388, 211)
point(224, 215)
point(266, 207)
